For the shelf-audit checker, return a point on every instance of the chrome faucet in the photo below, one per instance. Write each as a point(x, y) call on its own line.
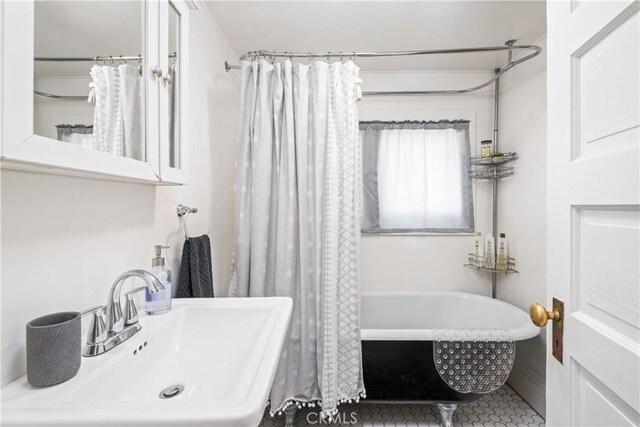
point(103, 336)
point(115, 320)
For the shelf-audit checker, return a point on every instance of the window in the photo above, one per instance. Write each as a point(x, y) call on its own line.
point(416, 177)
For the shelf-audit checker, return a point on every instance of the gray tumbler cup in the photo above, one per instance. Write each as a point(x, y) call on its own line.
point(53, 348)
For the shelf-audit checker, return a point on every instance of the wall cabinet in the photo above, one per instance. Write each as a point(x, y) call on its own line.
point(48, 63)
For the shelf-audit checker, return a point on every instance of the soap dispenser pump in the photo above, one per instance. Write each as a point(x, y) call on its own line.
point(159, 302)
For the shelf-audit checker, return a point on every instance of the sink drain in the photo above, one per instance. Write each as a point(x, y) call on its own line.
point(171, 391)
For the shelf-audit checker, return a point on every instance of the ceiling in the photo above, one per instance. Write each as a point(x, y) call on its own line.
point(365, 26)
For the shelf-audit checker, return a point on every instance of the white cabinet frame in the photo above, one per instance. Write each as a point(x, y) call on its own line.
point(21, 149)
point(167, 173)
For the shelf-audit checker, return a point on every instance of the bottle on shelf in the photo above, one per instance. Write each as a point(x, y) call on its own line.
point(478, 250)
point(502, 261)
point(489, 251)
point(485, 148)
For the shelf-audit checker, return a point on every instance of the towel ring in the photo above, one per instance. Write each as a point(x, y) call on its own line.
point(184, 211)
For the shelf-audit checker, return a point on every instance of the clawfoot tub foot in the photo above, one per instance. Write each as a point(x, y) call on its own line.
point(446, 413)
point(290, 416)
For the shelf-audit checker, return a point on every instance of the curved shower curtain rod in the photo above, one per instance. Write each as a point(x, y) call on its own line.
point(509, 46)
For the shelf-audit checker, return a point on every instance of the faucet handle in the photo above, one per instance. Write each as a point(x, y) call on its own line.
point(114, 317)
point(130, 311)
point(98, 329)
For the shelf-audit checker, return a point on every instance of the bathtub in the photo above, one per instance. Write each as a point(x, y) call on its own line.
point(397, 350)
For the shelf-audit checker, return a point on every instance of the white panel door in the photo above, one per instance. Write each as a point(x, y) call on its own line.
point(593, 211)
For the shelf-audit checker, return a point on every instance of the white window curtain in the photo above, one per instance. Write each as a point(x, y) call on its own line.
point(416, 177)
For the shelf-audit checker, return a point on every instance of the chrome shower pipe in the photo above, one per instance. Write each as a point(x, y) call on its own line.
point(51, 95)
point(509, 47)
point(109, 58)
point(496, 111)
point(86, 58)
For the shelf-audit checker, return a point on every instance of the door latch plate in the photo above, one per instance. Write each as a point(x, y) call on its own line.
point(557, 329)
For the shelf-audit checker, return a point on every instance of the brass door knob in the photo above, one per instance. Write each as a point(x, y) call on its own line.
point(540, 315)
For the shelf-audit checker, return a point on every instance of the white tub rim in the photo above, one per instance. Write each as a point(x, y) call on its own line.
point(525, 331)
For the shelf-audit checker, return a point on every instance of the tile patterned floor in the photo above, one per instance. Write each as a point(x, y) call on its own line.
point(503, 408)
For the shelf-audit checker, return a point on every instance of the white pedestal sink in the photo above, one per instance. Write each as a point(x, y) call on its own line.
point(223, 352)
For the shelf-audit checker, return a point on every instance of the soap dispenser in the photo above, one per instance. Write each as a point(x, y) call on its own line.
point(159, 302)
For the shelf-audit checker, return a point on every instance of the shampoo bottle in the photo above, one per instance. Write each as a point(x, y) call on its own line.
point(478, 249)
point(489, 251)
point(160, 302)
point(503, 248)
point(485, 148)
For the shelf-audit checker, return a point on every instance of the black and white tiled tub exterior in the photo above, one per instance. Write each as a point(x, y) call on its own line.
point(397, 346)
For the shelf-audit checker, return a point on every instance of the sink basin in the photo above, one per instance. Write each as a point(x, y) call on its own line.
point(223, 353)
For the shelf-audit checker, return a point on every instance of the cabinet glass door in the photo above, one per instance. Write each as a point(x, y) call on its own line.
point(174, 33)
point(89, 89)
point(175, 76)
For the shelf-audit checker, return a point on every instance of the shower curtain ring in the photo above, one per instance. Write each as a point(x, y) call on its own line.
point(309, 57)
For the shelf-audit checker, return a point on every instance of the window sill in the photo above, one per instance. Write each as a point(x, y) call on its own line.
point(416, 233)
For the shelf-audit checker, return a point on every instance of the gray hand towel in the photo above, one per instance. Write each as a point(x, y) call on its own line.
point(196, 277)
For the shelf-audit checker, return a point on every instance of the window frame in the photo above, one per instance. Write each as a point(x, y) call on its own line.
point(434, 124)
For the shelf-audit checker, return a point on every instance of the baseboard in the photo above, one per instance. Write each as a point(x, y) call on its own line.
point(529, 385)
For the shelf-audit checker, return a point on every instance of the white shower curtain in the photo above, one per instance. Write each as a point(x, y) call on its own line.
point(133, 120)
point(118, 115)
point(107, 112)
point(298, 202)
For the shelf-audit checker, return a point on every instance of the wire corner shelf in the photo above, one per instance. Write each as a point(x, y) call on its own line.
point(492, 264)
point(495, 159)
point(492, 168)
point(491, 174)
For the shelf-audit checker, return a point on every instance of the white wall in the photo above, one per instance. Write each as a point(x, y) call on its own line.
point(522, 210)
point(428, 262)
point(65, 239)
